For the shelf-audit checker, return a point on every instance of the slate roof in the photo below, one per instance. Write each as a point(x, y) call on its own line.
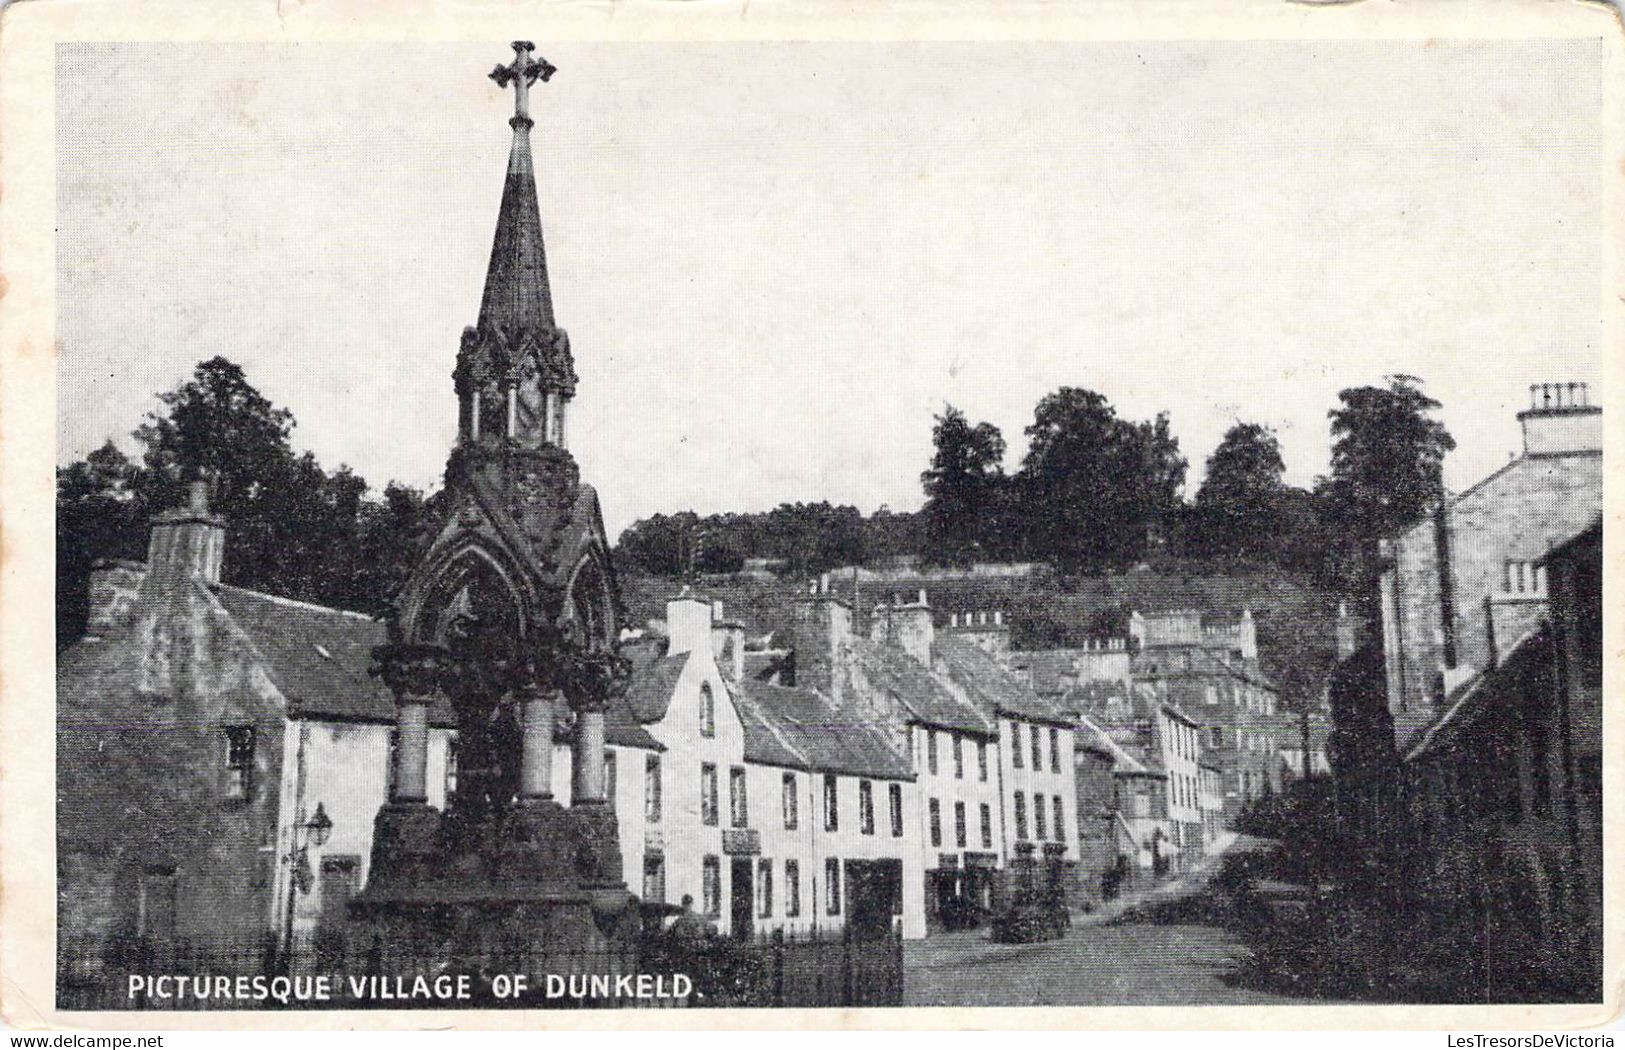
point(995, 687)
point(1092, 736)
point(1464, 704)
point(916, 689)
point(800, 728)
point(1196, 661)
point(654, 677)
point(318, 657)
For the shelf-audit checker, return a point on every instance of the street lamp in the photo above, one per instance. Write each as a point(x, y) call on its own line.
point(315, 830)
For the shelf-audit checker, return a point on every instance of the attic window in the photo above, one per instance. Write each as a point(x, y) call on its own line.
point(321, 650)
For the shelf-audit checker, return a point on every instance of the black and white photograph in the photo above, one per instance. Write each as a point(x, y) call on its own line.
point(554, 522)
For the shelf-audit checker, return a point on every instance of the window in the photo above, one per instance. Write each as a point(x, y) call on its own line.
point(1142, 804)
point(654, 878)
point(832, 886)
point(987, 826)
point(981, 760)
point(738, 805)
point(792, 802)
point(1015, 744)
point(1021, 815)
point(959, 825)
point(931, 750)
point(708, 794)
point(866, 807)
point(832, 799)
point(651, 789)
point(792, 888)
point(1060, 819)
point(240, 761)
point(936, 822)
point(1054, 750)
point(1524, 578)
point(609, 776)
point(959, 757)
point(451, 765)
point(394, 753)
point(895, 796)
point(764, 888)
point(1038, 751)
point(1215, 736)
point(1038, 817)
point(1212, 696)
point(708, 711)
point(711, 886)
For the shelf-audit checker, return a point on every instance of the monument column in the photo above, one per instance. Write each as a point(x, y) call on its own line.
point(587, 757)
point(412, 673)
point(536, 742)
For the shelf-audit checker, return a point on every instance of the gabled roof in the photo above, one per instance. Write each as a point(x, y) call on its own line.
point(318, 657)
point(1091, 735)
point(802, 729)
point(1464, 702)
point(654, 679)
point(1197, 661)
point(916, 689)
point(994, 687)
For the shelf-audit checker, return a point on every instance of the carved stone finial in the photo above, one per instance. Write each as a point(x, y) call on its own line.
point(522, 73)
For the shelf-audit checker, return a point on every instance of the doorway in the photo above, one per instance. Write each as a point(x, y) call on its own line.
point(743, 907)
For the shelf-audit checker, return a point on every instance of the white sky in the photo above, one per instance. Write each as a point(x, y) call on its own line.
point(777, 261)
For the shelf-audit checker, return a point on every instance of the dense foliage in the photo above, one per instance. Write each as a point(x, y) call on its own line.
point(297, 529)
point(1095, 493)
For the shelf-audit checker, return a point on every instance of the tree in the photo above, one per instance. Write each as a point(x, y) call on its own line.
point(97, 517)
point(1387, 462)
point(1239, 506)
point(965, 491)
point(294, 528)
point(1096, 490)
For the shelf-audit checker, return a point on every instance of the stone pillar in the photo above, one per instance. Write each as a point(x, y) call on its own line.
point(411, 749)
point(412, 674)
point(536, 742)
point(587, 759)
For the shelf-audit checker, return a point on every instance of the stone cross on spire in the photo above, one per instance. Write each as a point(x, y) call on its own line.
point(522, 73)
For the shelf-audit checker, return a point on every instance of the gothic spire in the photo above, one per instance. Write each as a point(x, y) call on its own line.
point(517, 297)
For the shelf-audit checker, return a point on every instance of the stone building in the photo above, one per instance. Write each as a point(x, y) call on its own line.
point(1504, 794)
point(959, 714)
point(201, 728)
point(1207, 666)
point(1461, 587)
point(1160, 797)
point(769, 805)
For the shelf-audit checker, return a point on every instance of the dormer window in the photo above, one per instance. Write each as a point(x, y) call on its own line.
point(708, 711)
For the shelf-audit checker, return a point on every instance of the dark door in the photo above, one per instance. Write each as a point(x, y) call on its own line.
point(874, 893)
point(740, 893)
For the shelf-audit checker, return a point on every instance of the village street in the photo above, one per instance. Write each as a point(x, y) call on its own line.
point(1118, 956)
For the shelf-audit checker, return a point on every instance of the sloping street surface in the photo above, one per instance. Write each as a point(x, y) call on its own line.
point(1161, 948)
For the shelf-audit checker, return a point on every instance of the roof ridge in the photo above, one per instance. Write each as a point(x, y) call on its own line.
point(294, 603)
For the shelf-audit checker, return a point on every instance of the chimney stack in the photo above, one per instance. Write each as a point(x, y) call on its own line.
point(1561, 420)
point(188, 541)
point(906, 627)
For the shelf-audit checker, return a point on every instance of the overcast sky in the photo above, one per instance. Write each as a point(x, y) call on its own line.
point(777, 261)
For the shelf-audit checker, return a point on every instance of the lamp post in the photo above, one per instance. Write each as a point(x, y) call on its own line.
point(316, 830)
